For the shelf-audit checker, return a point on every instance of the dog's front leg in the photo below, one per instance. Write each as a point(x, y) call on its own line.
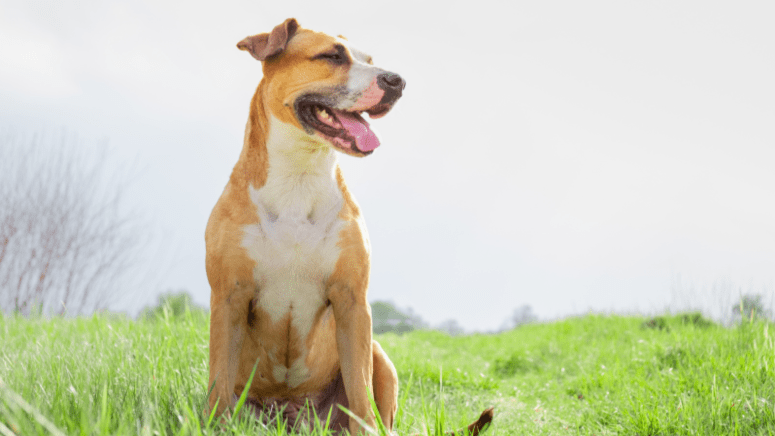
point(228, 319)
point(352, 315)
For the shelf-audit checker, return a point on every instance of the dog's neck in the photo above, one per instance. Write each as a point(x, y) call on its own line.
point(291, 152)
point(288, 173)
point(282, 150)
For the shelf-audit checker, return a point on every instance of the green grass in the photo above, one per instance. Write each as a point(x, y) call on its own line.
point(595, 375)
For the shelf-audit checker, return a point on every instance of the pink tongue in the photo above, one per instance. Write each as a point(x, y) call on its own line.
point(358, 128)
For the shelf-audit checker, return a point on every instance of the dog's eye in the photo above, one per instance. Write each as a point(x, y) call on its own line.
point(336, 58)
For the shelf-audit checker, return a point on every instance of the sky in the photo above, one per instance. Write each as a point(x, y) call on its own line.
point(570, 156)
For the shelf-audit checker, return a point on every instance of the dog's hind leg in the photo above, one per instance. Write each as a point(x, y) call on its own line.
point(385, 383)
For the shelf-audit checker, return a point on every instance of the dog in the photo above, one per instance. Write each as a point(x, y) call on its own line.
point(287, 249)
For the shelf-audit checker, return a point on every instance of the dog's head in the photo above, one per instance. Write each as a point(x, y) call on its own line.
point(322, 85)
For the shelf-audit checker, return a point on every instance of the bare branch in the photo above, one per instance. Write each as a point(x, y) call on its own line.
point(64, 242)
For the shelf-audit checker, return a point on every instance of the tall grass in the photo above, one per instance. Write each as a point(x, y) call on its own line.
point(678, 375)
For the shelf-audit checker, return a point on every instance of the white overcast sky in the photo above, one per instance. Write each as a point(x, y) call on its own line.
point(566, 155)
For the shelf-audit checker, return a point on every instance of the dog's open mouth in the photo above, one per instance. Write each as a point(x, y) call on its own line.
point(347, 131)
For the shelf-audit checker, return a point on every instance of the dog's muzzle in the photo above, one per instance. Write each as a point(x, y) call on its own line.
point(344, 127)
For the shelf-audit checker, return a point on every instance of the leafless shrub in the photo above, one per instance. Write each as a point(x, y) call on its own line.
point(66, 245)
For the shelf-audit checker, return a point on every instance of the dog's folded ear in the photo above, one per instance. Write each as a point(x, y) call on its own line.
point(265, 45)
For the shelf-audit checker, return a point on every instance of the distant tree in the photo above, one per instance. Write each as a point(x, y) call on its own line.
point(451, 327)
point(521, 315)
point(66, 245)
point(386, 317)
point(172, 304)
point(749, 308)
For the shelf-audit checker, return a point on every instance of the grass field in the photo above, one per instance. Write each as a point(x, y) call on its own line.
point(593, 375)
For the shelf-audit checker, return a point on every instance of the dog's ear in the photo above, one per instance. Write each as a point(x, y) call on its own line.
point(265, 45)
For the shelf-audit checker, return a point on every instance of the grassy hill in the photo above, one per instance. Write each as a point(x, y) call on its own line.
point(593, 375)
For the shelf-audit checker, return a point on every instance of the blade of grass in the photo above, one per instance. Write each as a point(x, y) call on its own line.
point(16, 399)
point(380, 425)
point(402, 401)
point(5, 431)
point(360, 421)
point(440, 415)
point(104, 420)
point(215, 406)
point(244, 395)
point(424, 409)
point(212, 413)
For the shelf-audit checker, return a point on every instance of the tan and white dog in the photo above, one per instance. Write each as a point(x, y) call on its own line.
point(287, 250)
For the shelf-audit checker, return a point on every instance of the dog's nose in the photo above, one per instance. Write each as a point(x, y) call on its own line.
point(391, 82)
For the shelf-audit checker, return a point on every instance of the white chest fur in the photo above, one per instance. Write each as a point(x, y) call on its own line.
point(294, 244)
